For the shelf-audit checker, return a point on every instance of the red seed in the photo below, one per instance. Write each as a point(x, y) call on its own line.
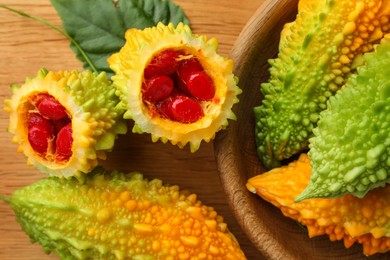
point(50, 108)
point(39, 138)
point(35, 119)
point(179, 85)
point(158, 88)
point(200, 86)
point(64, 141)
point(163, 108)
point(60, 123)
point(165, 63)
point(36, 99)
point(186, 67)
point(184, 109)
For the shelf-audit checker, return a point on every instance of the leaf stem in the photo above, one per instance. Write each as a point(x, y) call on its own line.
point(5, 199)
point(55, 28)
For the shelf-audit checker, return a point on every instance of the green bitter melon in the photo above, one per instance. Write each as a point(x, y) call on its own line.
point(317, 52)
point(350, 150)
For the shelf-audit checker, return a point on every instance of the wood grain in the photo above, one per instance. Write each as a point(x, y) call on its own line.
point(26, 46)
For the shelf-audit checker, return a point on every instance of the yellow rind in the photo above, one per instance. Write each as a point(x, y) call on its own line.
point(347, 218)
point(129, 65)
point(117, 215)
point(91, 103)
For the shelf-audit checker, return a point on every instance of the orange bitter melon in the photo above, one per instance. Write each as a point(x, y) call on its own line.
point(347, 218)
point(121, 216)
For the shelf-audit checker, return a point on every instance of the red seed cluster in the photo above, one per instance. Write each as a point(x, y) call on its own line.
point(49, 127)
point(175, 84)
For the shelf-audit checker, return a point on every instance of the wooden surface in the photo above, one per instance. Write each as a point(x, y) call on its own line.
point(26, 45)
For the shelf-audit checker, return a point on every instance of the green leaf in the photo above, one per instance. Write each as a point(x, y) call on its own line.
point(99, 26)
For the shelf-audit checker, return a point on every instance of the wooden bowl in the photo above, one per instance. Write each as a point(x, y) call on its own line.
point(275, 236)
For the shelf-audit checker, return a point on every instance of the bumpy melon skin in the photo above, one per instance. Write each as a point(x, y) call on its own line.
point(317, 53)
point(121, 216)
point(348, 218)
point(92, 106)
point(350, 150)
point(129, 65)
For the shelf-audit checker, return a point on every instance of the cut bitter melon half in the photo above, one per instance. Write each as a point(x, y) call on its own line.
point(174, 85)
point(64, 121)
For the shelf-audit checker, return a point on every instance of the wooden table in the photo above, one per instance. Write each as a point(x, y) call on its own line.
point(26, 45)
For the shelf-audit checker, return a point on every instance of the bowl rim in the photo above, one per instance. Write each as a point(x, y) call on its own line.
point(271, 15)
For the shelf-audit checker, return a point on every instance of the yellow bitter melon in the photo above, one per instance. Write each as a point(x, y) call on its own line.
point(348, 218)
point(121, 216)
point(317, 52)
point(65, 121)
point(174, 85)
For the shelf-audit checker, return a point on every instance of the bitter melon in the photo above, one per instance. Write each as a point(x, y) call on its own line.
point(121, 216)
point(347, 218)
point(64, 121)
point(317, 52)
point(350, 150)
point(174, 85)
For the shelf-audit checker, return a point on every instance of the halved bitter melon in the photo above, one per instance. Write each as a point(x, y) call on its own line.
point(64, 121)
point(174, 85)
